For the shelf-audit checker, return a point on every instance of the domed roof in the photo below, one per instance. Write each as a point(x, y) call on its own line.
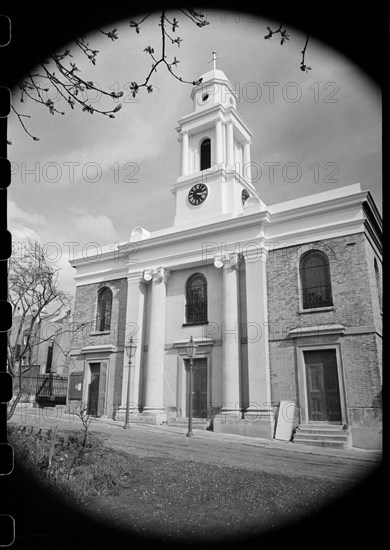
point(214, 74)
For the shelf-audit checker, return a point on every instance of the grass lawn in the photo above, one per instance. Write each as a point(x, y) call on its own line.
point(165, 497)
point(176, 500)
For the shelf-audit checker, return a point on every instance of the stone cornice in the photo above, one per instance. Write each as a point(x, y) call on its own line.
point(198, 341)
point(104, 275)
point(184, 234)
point(223, 173)
point(224, 115)
point(99, 348)
point(313, 208)
point(373, 222)
point(311, 234)
point(316, 331)
point(313, 221)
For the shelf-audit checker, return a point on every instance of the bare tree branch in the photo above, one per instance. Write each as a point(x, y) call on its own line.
point(60, 73)
point(284, 38)
point(304, 67)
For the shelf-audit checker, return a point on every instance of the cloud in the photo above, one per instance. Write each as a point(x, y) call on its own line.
point(71, 236)
point(95, 228)
point(17, 215)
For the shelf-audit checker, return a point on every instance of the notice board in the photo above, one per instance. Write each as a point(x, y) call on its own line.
point(285, 422)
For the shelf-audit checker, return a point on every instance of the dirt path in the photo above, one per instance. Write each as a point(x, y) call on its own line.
point(207, 450)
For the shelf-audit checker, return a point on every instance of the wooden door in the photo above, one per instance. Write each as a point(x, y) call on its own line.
point(323, 393)
point(93, 390)
point(199, 388)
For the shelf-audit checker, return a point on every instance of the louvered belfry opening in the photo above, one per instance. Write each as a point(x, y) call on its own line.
point(205, 154)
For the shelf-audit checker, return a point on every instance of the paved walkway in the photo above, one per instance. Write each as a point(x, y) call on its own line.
point(170, 436)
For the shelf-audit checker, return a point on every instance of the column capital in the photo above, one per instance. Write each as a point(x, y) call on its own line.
point(230, 259)
point(157, 274)
point(147, 275)
point(161, 274)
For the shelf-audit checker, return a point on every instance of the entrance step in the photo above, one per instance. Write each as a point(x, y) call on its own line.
point(197, 423)
point(323, 436)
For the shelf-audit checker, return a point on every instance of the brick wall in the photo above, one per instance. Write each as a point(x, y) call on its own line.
point(85, 312)
point(283, 372)
point(350, 278)
point(372, 258)
point(362, 371)
point(355, 305)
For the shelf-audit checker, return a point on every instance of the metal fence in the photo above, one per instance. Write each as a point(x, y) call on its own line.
point(51, 385)
point(45, 387)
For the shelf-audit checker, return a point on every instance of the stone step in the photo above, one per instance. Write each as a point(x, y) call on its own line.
point(325, 435)
point(320, 443)
point(323, 432)
point(332, 427)
point(316, 430)
point(320, 437)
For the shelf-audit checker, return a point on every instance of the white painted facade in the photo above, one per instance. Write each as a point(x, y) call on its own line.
point(228, 241)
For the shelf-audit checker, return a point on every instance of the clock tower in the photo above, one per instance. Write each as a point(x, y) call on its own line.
point(215, 179)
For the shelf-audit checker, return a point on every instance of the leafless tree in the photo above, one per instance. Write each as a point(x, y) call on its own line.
point(82, 412)
point(32, 287)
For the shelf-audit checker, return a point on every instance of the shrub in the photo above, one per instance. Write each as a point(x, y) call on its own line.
point(69, 467)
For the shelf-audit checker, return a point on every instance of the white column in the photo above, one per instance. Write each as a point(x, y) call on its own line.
point(185, 154)
point(230, 335)
point(180, 167)
point(218, 142)
point(257, 332)
point(134, 328)
point(246, 171)
point(229, 144)
point(154, 368)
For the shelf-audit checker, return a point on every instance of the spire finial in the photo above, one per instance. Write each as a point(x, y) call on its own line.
point(214, 59)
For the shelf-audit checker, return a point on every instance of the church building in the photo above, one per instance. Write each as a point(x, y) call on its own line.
point(283, 302)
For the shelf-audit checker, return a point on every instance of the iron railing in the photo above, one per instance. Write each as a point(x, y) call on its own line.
point(45, 387)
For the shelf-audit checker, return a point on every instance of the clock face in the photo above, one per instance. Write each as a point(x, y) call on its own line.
point(198, 194)
point(244, 195)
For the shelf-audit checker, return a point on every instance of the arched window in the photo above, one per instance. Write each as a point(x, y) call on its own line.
point(378, 283)
point(205, 154)
point(315, 280)
point(103, 315)
point(196, 298)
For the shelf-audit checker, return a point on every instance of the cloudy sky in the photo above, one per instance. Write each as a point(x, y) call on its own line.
point(91, 179)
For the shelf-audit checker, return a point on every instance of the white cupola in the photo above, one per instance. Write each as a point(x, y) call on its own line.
point(215, 154)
